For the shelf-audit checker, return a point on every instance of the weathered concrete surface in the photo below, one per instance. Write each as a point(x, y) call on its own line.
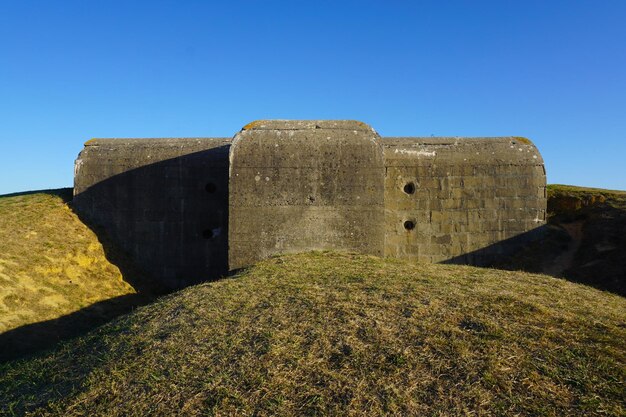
point(163, 201)
point(304, 185)
point(461, 199)
point(185, 212)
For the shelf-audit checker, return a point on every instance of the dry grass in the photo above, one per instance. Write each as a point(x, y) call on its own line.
point(342, 334)
point(51, 264)
point(584, 240)
point(584, 190)
point(567, 201)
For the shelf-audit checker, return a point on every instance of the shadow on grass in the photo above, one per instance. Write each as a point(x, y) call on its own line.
point(597, 261)
point(131, 252)
point(587, 248)
point(132, 274)
point(32, 338)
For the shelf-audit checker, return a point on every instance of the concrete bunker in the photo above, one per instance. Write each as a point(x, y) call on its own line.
point(464, 200)
point(164, 202)
point(303, 185)
point(190, 209)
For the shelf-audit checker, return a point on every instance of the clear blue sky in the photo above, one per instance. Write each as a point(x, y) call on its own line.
point(553, 71)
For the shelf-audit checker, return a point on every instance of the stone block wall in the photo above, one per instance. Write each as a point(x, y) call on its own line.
point(163, 201)
point(191, 209)
point(461, 199)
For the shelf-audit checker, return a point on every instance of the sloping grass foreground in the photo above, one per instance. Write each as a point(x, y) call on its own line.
point(51, 264)
point(342, 334)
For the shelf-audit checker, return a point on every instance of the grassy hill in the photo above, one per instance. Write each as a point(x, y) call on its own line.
point(343, 334)
point(51, 266)
point(316, 333)
point(585, 239)
point(596, 223)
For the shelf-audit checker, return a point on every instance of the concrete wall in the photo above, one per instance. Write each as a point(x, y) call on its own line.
point(163, 201)
point(190, 209)
point(304, 185)
point(461, 199)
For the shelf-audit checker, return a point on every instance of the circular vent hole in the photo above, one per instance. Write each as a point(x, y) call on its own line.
point(409, 225)
point(210, 188)
point(409, 188)
point(207, 233)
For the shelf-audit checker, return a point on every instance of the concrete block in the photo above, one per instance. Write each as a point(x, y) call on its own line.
point(175, 205)
point(303, 185)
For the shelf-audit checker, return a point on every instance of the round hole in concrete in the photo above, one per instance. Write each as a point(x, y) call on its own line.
point(210, 188)
point(409, 225)
point(207, 233)
point(409, 188)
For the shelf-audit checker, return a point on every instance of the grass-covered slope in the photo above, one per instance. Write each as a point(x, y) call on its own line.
point(51, 264)
point(339, 334)
point(564, 200)
point(585, 239)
